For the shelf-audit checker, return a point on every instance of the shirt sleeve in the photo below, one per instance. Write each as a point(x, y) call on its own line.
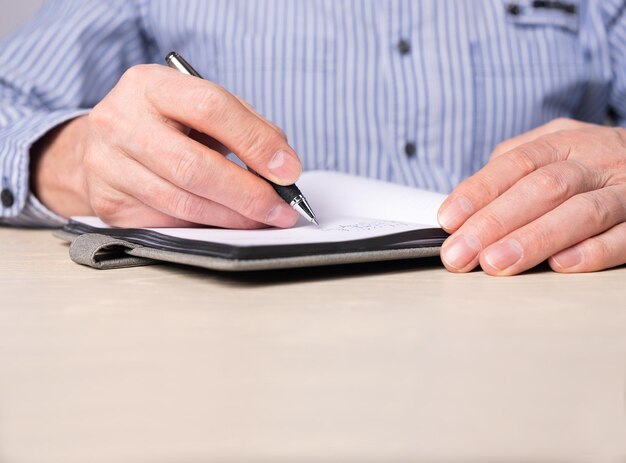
point(55, 68)
point(616, 30)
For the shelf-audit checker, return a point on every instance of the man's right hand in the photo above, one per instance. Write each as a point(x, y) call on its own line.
point(132, 162)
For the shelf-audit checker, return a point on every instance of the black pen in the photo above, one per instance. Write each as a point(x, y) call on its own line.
point(291, 194)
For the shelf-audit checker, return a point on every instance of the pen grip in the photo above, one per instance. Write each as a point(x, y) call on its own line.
point(287, 192)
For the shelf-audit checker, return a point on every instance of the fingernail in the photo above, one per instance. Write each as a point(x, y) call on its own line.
point(568, 258)
point(285, 166)
point(282, 215)
point(461, 252)
point(504, 254)
point(455, 213)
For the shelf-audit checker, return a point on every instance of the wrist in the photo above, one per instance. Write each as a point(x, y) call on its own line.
point(57, 176)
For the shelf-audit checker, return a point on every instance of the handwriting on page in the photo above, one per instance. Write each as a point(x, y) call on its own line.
point(364, 226)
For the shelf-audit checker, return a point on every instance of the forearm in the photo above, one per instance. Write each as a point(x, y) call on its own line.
point(22, 129)
point(38, 95)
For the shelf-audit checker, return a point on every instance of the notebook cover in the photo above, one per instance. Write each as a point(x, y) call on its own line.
point(429, 237)
point(106, 252)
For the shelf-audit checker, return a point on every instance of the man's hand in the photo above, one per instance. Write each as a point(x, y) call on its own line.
point(557, 192)
point(132, 162)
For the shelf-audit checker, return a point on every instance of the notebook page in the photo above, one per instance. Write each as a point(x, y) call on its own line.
point(347, 208)
point(331, 230)
point(336, 194)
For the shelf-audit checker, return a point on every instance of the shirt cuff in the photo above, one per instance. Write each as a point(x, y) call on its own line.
point(35, 215)
point(18, 206)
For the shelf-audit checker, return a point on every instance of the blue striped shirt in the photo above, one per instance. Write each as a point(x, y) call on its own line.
point(412, 91)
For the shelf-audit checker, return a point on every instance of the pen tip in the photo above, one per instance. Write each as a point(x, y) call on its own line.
point(315, 222)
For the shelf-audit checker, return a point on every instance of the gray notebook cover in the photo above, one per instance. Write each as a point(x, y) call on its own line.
point(116, 248)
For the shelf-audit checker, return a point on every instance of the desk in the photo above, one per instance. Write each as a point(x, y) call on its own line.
point(393, 362)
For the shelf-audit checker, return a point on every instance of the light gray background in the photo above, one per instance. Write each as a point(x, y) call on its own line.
point(15, 12)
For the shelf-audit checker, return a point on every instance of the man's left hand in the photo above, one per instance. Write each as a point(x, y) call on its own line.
point(557, 192)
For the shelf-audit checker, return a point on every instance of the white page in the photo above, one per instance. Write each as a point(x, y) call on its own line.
point(333, 194)
point(347, 207)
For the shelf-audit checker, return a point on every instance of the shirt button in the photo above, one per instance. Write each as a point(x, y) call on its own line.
point(404, 47)
point(409, 149)
point(513, 9)
point(7, 198)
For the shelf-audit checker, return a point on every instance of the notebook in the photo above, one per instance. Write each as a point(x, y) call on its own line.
point(359, 219)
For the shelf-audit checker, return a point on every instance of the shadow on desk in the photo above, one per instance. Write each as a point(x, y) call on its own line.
point(304, 274)
point(322, 273)
point(335, 272)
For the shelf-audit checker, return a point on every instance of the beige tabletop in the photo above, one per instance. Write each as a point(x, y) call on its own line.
point(388, 362)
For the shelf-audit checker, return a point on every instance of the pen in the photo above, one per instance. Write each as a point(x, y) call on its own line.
point(291, 194)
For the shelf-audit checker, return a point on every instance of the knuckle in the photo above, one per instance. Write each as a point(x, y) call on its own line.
point(137, 75)
point(614, 201)
point(564, 123)
point(104, 116)
point(539, 238)
point(491, 224)
point(599, 213)
point(252, 204)
point(551, 183)
point(107, 207)
point(258, 142)
point(479, 186)
point(185, 168)
point(184, 206)
point(551, 145)
point(559, 122)
point(211, 102)
point(523, 160)
point(256, 138)
point(563, 140)
point(499, 149)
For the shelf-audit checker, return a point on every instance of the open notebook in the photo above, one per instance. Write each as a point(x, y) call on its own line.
point(360, 220)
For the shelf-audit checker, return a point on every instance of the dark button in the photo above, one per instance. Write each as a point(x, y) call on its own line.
point(409, 149)
point(7, 197)
point(404, 47)
point(570, 8)
point(513, 9)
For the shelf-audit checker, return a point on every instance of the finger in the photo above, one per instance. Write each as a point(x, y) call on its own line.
point(253, 110)
point(497, 177)
point(530, 198)
point(209, 142)
point(600, 252)
point(219, 147)
point(215, 145)
point(135, 180)
point(121, 210)
point(527, 137)
point(165, 197)
point(209, 108)
point(588, 214)
point(206, 173)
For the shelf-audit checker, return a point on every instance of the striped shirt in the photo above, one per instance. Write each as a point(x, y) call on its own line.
point(411, 91)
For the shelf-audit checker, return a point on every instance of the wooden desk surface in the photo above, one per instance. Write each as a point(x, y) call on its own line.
point(394, 362)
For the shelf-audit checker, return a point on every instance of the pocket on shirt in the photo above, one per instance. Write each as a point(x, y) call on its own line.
point(528, 69)
point(291, 52)
point(259, 67)
point(564, 14)
point(288, 79)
